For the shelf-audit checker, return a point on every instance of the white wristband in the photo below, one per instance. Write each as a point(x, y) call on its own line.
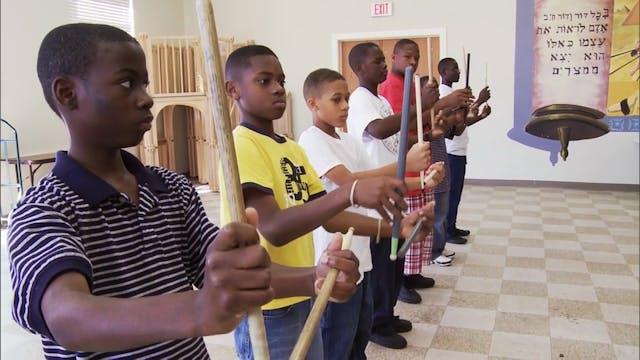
point(353, 191)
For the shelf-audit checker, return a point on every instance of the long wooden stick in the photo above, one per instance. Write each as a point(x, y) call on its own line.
point(420, 128)
point(431, 80)
point(310, 326)
point(227, 151)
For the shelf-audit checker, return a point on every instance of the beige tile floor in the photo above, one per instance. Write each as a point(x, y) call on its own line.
point(548, 273)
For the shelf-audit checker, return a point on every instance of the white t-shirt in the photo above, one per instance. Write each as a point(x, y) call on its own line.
point(325, 153)
point(457, 145)
point(364, 107)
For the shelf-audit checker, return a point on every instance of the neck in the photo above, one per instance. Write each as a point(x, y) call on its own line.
point(398, 72)
point(98, 161)
point(449, 83)
point(326, 128)
point(371, 87)
point(264, 125)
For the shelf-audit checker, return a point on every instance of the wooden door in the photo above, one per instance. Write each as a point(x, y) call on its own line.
point(387, 48)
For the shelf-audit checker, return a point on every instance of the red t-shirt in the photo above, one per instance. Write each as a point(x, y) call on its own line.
point(392, 89)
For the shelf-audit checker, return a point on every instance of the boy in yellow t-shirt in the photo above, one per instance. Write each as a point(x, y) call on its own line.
point(278, 181)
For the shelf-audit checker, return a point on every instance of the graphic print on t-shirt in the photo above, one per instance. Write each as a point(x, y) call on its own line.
point(296, 189)
point(392, 143)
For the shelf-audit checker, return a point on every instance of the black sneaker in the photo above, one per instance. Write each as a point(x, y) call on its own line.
point(461, 232)
point(388, 339)
point(456, 240)
point(417, 281)
point(401, 325)
point(410, 296)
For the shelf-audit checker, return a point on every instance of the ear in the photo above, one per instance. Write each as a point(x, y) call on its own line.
point(358, 69)
point(231, 88)
point(311, 103)
point(64, 92)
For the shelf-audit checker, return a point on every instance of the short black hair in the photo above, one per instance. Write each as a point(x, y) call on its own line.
point(359, 52)
point(444, 63)
point(240, 58)
point(70, 49)
point(424, 80)
point(402, 43)
point(318, 78)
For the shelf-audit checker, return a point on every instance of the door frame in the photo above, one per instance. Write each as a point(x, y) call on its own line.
point(336, 39)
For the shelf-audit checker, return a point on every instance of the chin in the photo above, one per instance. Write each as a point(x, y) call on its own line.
point(278, 114)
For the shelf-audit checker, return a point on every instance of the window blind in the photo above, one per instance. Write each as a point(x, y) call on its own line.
point(117, 13)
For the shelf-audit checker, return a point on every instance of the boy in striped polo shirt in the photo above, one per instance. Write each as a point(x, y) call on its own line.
point(104, 252)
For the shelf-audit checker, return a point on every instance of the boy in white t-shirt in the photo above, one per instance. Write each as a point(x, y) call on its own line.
point(371, 120)
point(338, 159)
point(457, 144)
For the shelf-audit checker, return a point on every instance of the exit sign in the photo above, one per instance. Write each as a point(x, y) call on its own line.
point(381, 9)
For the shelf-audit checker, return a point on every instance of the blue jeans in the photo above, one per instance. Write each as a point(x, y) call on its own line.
point(440, 222)
point(346, 327)
point(283, 327)
point(457, 169)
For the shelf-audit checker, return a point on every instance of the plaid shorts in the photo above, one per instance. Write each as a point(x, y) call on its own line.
point(419, 253)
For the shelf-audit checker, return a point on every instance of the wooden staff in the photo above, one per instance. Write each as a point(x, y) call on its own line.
point(420, 128)
point(431, 80)
point(486, 74)
point(402, 154)
point(235, 200)
point(486, 77)
point(310, 326)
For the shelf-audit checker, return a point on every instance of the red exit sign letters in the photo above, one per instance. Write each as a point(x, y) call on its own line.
point(381, 9)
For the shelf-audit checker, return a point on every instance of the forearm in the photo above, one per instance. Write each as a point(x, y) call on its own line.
point(292, 281)
point(387, 170)
point(470, 120)
point(383, 128)
point(362, 224)
point(285, 225)
point(85, 322)
point(459, 128)
point(413, 183)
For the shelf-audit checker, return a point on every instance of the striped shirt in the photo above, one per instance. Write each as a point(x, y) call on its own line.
point(439, 153)
point(74, 221)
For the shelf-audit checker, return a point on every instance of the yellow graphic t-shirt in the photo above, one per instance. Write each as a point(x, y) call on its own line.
point(276, 165)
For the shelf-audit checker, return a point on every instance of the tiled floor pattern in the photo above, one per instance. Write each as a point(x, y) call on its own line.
point(548, 273)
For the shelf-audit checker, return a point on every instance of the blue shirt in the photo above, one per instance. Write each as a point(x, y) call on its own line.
point(75, 221)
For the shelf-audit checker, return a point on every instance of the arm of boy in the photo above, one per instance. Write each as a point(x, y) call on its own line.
point(457, 99)
point(368, 226)
point(307, 281)
point(418, 159)
point(413, 183)
point(390, 125)
point(236, 278)
point(475, 117)
point(280, 226)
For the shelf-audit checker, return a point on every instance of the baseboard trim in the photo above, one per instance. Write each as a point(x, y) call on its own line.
point(555, 184)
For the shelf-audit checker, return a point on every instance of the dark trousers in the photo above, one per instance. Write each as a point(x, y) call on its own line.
point(386, 280)
point(457, 169)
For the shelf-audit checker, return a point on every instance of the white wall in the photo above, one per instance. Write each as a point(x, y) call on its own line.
point(300, 33)
point(158, 17)
point(24, 24)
